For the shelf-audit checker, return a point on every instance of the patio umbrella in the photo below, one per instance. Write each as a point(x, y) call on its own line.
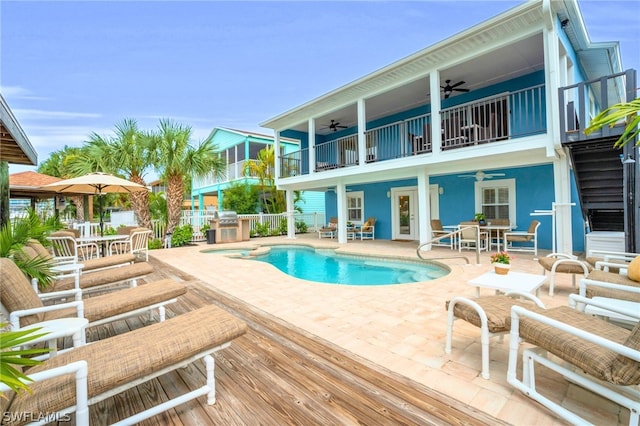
point(95, 183)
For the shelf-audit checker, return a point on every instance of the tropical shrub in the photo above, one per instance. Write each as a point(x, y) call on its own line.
point(182, 235)
point(301, 226)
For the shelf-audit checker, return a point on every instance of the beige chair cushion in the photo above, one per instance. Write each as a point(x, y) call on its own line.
point(131, 356)
point(633, 272)
point(16, 292)
point(614, 278)
point(497, 308)
point(106, 276)
point(566, 268)
point(593, 359)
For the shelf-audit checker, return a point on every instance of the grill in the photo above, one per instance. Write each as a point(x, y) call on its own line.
point(226, 219)
point(226, 227)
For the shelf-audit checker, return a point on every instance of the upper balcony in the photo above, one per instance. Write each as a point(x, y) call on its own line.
point(502, 117)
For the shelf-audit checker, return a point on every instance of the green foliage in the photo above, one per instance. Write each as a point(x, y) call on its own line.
point(9, 357)
point(155, 243)
point(14, 237)
point(283, 228)
point(301, 226)
point(182, 235)
point(241, 198)
point(110, 231)
point(623, 112)
point(261, 230)
point(158, 206)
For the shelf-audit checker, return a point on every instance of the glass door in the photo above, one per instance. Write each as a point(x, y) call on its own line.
point(404, 217)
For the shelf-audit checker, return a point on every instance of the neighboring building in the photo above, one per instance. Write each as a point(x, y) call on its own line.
point(489, 120)
point(238, 147)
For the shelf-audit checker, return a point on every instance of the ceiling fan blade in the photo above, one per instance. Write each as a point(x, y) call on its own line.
point(460, 83)
point(461, 90)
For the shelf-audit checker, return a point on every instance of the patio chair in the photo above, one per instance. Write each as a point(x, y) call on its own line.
point(138, 243)
point(563, 263)
point(489, 313)
point(111, 366)
point(609, 259)
point(527, 241)
point(613, 285)
point(330, 230)
point(95, 280)
point(471, 237)
point(66, 247)
point(368, 229)
point(91, 265)
point(23, 306)
point(438, 231)
point(588, 351)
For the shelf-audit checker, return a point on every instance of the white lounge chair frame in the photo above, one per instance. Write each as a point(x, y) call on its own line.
point(564, 258)
point(485, 335)
point(625, 396)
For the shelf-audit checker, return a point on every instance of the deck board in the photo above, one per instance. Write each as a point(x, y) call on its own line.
point(279, 374)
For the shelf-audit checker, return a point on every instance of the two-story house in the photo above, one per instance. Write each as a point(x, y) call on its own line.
point(239, 147)
point(479, 122)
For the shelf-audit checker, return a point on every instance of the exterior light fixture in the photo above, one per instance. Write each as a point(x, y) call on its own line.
point(628, 160)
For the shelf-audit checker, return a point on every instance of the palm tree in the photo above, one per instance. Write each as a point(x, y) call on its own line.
point(628, 111)
point(127, 155)
point(176, 160)
point(58, 165)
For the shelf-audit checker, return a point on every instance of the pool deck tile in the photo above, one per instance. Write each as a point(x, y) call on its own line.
point(401, 327)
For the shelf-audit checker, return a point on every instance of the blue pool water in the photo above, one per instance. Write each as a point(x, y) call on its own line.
point(326, 266)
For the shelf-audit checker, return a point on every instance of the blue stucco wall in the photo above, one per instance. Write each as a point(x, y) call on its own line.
point(534, 191)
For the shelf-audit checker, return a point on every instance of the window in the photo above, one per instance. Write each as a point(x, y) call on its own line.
point(355, 206)
point(497, 199)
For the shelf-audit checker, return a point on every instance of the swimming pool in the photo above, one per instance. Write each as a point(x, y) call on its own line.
point(326, 266)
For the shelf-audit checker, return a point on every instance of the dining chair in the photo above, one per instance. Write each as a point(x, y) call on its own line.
point(438, 231)
point(471, 237)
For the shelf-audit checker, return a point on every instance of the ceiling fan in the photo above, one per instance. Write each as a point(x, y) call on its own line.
point(480, 175)
point(450, 88)
point(335, 125)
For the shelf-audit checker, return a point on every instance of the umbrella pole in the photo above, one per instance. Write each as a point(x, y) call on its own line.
point(101, 214)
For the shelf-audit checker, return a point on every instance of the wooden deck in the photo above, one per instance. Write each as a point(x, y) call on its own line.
point(277, 374)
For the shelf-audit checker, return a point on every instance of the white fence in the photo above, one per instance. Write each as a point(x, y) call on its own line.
point(198, 219)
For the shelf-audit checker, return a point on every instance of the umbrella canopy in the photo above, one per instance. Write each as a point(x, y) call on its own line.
point(95, 183)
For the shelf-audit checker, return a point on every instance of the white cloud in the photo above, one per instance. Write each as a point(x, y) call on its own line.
point(19, 92)
point(39, 114)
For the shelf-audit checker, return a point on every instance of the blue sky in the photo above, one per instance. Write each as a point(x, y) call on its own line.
point(68, 69)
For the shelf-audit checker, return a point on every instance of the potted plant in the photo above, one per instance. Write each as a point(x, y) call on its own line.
point(480, 218)
point(501, 262)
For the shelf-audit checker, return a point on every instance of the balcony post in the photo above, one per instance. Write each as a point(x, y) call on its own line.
point(436, 120)
point(362, 124)
point(276, 151)
point(312, 145)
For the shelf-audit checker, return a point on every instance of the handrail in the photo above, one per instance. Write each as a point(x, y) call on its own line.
point(452, 234)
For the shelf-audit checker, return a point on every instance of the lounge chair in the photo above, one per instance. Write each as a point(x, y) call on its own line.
point(563, 263)
point(489, 313)
point(111, 366)
point(330, 230)
point(138, 243)
point(23, 306)
point(527, 241)
point(609, 259)
point(368, 229)
point(612, 285)
point(586, 350)
point(90, 265)
point(96, 280)
point(438, 231)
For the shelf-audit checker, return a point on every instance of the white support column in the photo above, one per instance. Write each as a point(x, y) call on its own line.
point(436, 132)
point(312, 145)
point(291, 219)
point(562, 188)
point(362, 125)
point(424, 211)
point(552, 77)
point(276, 152)
point(341, 195)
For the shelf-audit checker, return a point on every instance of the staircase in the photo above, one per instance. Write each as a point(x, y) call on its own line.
point(599, 178)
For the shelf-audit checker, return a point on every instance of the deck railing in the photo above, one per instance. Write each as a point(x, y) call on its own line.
point(579, 103)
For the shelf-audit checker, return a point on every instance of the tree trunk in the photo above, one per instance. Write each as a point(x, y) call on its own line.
point(175, 194)
point(140, 203)
point(78, 201)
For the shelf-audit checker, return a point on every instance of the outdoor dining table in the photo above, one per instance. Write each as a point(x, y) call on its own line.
point(102, 241)
point(499, 233)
